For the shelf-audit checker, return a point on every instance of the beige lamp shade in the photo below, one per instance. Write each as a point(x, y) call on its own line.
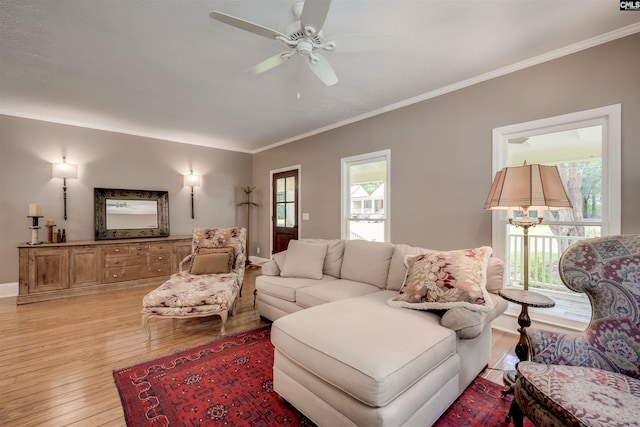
point(531, 187)
point(192, 180)
point(64, 170)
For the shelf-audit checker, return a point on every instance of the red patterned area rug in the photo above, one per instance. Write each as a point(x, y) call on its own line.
point(481, 404)
point(228, 382)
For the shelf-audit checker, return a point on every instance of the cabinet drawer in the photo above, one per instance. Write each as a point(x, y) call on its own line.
point(124, 261)
point(115, 250)
point(112, 261)
point(130, 249)
point(137, 248)
point(159, 258)
point(113, 275)
point(160, 247)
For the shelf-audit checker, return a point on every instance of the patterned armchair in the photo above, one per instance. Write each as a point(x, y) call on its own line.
point(209, 281)
point(591, 378)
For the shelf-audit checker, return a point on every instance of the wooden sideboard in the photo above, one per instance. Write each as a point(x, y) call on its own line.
point(60, 270)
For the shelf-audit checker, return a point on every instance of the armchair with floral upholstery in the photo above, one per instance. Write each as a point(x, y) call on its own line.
point(591, 378)
point(209, 281)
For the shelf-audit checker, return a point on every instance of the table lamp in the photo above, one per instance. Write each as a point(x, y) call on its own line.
point(527, 188)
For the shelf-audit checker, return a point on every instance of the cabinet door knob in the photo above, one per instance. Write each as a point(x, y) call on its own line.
point(117, 250)
point(116, 262)
point(115, 275)
point(159, 270)
point(159, 257)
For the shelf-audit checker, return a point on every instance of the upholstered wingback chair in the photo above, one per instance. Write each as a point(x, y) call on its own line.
point(589, 378)
point(209, 281)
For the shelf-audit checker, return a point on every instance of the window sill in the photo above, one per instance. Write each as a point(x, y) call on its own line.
point(550, 320)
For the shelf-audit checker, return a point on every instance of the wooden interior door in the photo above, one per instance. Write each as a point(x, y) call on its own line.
point(285, 209)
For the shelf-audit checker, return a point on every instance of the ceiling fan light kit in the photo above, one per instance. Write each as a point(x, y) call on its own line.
point(305, 38)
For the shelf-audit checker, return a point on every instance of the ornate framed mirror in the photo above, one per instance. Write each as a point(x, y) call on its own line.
point(129, 214)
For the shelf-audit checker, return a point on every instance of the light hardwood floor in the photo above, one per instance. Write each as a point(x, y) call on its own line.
point(57, 357)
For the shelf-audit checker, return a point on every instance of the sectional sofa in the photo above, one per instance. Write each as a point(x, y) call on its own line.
point(356, 343)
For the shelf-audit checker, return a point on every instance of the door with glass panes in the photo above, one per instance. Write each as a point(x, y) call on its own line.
point(285, 209)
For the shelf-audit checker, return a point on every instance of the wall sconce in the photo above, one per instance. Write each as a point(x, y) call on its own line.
point(64, 170)
point(192, 180)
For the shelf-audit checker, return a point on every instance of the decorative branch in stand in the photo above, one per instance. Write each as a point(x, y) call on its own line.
point(249, 204)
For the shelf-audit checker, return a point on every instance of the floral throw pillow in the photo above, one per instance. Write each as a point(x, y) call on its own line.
point(443, 280)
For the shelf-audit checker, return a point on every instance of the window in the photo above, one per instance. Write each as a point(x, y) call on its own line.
point(585, 147)
point(286, 201)
point(365, 197)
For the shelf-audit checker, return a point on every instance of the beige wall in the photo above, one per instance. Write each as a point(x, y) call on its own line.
point(440, 154)
point(110, 160)
point(441, 149)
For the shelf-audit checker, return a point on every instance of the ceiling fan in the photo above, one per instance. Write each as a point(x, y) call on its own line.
point(304, 37)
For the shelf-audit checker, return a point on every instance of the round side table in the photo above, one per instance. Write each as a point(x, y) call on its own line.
point(526, 299)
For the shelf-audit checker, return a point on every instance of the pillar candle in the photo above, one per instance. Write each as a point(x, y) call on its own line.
point(34, 209)
point(50, 222)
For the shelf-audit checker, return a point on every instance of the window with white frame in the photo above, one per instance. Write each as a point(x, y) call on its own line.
point(585, 147)
point(365, 197)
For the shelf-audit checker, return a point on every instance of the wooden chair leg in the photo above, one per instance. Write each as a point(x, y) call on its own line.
point(223, 317)
point(145, 325)
point(516, 414)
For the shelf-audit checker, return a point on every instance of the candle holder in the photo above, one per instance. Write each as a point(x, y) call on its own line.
point(49, 226)
point(34, 230)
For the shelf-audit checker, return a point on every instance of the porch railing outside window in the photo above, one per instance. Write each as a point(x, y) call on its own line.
point(544, 254)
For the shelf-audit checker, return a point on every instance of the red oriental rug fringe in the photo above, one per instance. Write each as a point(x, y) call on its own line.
point(229, 381)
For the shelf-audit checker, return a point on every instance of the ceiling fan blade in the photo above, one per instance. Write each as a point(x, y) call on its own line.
point(246, 25)
point(314, 14)
point(362, 42)
point(268, 63)
point(324, 71)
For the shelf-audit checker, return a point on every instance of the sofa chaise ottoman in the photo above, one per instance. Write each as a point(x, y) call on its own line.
point(345, 356)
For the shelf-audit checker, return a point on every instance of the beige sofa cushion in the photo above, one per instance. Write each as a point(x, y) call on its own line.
point(495, 275)
point(279, 259)
point(398, 269)
point(270, 268)
point(367, 262)
point(286, 287)
point(333, 259)
point(399, 346)
point(469, 324)
point(332, 291)
point(273, 266)
point(304, 260)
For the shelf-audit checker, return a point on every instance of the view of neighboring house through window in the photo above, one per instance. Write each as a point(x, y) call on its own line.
point(365, 207)
point(582, 151)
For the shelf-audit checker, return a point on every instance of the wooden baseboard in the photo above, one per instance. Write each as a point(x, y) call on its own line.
point(88, 290)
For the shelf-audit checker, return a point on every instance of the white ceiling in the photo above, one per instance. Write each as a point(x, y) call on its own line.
point(164, 69)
